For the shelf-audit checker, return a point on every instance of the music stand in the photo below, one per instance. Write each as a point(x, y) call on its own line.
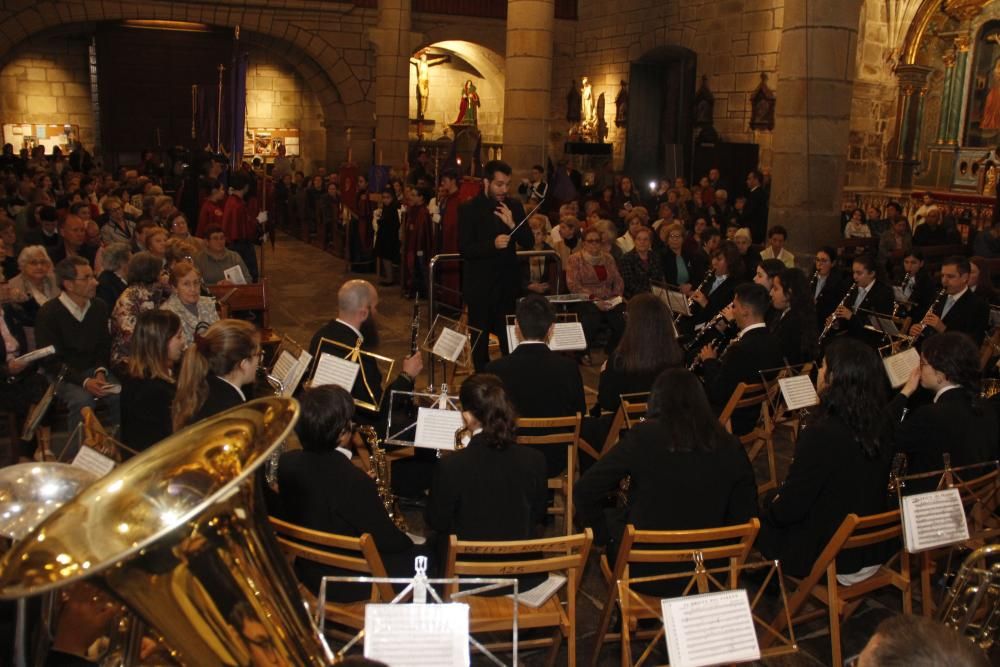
point(369, 401)
point(416, 592)
point(771, 378)
point(401, 428)
point(563, 339)
point(436, 346)
point(287, 367)
point(672, 296)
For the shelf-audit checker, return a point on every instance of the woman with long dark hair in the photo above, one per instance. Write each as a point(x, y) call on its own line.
point(841, 466)
point(144, 292)
point(148, 387)
point(687, 472)
point(957, 422)
point(794, 322)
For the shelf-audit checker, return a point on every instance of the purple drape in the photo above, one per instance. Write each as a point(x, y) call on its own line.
point(234, 109)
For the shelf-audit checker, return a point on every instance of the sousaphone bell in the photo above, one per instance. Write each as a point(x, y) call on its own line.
point(180, 535)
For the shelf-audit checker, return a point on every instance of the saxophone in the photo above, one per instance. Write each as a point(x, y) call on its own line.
point(380, 471)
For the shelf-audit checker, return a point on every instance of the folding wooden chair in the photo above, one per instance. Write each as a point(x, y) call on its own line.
point(631, 409)
point(354, 554)
point(761, 437)
point(561, 555)
point(729, 544)
point(841, 601)
point(556, 432)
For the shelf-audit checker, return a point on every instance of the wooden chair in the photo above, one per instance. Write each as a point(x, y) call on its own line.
point(841, 601)
point(556, 432)
point(761, 437)
point(562, 555)
point(245, 297)
point(354, 554)
point(783, 417)
point(631, 409)
point(730, 544)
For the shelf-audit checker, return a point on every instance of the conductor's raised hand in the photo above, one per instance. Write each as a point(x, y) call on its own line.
point(501, 241)
point(505, 215)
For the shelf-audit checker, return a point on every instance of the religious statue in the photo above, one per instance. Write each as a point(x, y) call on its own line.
point(468, 109)
point(762, 106)
point(621, 105)
point(588, 112)
point(991, 108)
point(573, 103)
point(423, 65)
point(704, 105)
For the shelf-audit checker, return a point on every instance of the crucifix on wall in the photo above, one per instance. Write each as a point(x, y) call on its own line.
point(424, 65)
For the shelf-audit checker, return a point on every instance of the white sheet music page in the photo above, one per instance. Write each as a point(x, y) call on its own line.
point(449, 344)
point(283, 366)
point(678, 303)
point(418, 635)
point(90, 459)
point(234, 274)
point(568, 336)
point(660, 293)
point(436, 428)
point(933, 520)
point(899, 366)
point(798, 392)
point(291, 382)
point(710, 629)
point(512, 340)
point(331, 369)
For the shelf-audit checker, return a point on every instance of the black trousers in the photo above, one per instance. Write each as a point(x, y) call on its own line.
point(489, 315)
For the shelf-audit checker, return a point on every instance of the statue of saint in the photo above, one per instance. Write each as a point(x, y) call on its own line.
point(621, 105)
point(588, 112)
point(468, 108)
point(991, 108)
point(424, 65)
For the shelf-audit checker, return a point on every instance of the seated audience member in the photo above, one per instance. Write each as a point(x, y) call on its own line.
point(566, 237)
point(76, 324)
point(840, 467)
point(935, 232)
point(156, 244)
point(593, 272)
point(142, 228)
point(148, 384)
point(917, 285)
point(319, 488)
point(856, 227)
point(641, 265)
point(214, 371)
point(634, 220)
point(144, 292)
point(795, 321)
point(749, 256)
point(9, 249)
point(957, 422)
point(680, 268)
point(117, 228)
point(493, 488)
point(21, 385)
point(73, 232)
point(753, 350)
point(181, 231)
point(872, 296)
point(187, 301)
point(895, 242)
point(828, 283)
point(216, 259)
point(718, 294)
point(114, 278)
point(775, 249)
point(986, 242)
point(962, 309)
point(914, 641)
point(609, 234)
point(687, 473)
point(540, 382)
point(34, 285)
point(981, 280)
point(538, 274)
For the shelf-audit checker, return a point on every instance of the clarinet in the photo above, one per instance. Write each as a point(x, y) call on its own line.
point(705, 282)
point(902, 284)
point(719, 344)
point(935, 308)
point(701, 338)
point(414, 327)
point(813, 282)
point(833, 319)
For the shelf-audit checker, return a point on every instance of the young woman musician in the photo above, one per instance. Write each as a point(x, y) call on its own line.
point(840, 467)
point(148, 387)
point(717, 290)
point(794, 322)
point(214, 370)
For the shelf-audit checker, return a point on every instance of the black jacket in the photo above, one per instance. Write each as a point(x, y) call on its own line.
point(720, 297)
point(145, 411)
point(82, 346)
point(796, 333)
point(830, 477)
point(879, 299)
point(757, 350)
point(833, 291)
point(693, 263)
point(970, 315)
point(221, 397)
point(488, 273)
point(109, 287)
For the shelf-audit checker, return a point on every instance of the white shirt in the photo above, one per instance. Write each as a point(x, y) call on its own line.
point(943, 389)
point(352, 328)
point(950, 301)
point(715, 283)
point(820, 283)
point(345, 452)
point(74, 310)
point(751, 327)
point(862, 293)
point(238, 390)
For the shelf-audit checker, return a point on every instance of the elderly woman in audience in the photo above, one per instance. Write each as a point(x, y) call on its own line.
point(840, 467)
point(565, 237)
point(794, 320)
point(748, 254)
point(216, 259)
point(593, 272)
point(156, 243)
point(680, 268)
point(118, 227)
point(641, 265)
point(148, 386)
point(687, 473)
point(114, 278)
point(34, 285)
point(187, 301)
point(637, 218)
point(144, 292)
point(538, 274)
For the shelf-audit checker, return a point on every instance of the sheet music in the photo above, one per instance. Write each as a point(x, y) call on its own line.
point(91, 460)
point(449, 344)
point(899, 366)
point(331, 369)
point(884, 324)
point(798, 392)
point(568, 336)
point(418, 635)
point(661, 294)
point(40, 353)
point(710, 629)
point(540, 594)
point(436, 428)
point(933, 520)
point(611, 303)
point(284, 366)
point(234, 274)
point(678, 303)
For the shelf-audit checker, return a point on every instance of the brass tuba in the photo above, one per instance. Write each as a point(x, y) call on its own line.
point(179, 534)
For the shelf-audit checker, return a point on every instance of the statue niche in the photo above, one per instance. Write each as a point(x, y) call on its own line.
point(982, 122)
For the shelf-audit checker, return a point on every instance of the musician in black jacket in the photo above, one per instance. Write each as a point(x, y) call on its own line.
point(687, 472)
point(872, 296)
point(540, 382)
point(828, 284)
point(840, 467)
point(917, 285)
point(794, 322)
point(487, 242)
point(957, 421)
point(754, 350)
point(962, 310)
point(718, 292)
point(319, 488)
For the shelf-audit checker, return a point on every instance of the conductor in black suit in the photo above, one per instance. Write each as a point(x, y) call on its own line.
point(873, 296)
point(540, 382)
point(755, 349)
point(963, 310)
point(319, 488)
point(487, 242)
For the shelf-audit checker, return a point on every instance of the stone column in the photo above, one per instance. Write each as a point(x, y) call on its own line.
point(812, 118)
point(909, 119)
point(528, 88)
point(393, 43)
point(946, 96)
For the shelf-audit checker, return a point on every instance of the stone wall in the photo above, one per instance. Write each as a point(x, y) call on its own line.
point(47, 81)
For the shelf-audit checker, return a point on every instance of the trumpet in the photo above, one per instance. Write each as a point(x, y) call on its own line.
point(832, 321)
point(705, 282)
point(936, 309)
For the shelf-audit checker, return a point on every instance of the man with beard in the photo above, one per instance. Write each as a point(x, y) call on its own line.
point(491, 276)
point(357, 304)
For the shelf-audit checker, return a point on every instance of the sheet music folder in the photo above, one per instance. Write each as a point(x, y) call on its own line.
point(366, 393)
